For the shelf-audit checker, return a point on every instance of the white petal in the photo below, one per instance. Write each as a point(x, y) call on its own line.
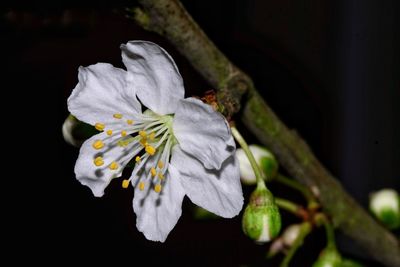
point(98, 178)
point(100, 93)
point(203, 133)
point(158, 213)
point(218, 191)
point(153, 75)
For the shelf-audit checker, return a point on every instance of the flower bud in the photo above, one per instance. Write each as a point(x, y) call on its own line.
point(276, 247)
point(67, 128)
point(385, 205)
point(329, 257)
point(290, 234)
point(264, 159)
point(76, 132)
point(261, 219)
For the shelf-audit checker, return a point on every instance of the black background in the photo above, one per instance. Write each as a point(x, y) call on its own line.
point(330, 70)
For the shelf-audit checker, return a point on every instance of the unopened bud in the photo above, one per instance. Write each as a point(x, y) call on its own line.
point(76, 132)
point(385, 205)
point(261, 219)
point(290, 234)
point(328, 258)
point(264, 159)
point(276, 247)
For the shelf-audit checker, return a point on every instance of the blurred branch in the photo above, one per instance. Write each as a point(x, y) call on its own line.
point(170, 19)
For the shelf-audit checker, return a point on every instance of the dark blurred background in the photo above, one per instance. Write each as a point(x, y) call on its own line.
point(330, 70)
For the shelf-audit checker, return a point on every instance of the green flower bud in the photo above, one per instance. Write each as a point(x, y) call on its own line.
point(261, 219)
point(264, 159)
point(76, 132)
point(328, 258)
point(385, 205)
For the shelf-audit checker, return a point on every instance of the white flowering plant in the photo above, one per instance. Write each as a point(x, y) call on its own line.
point(180, 146)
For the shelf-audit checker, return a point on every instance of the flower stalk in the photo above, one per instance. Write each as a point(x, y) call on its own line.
point(321, 219)
point(257, 171)
point(290, 206)
point(312, 202)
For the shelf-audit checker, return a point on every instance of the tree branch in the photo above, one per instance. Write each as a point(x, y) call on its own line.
point(170, 19)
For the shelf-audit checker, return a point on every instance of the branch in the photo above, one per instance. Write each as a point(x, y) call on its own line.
point(170, 19)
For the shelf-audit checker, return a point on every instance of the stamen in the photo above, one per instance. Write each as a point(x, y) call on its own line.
point(150, 150)
point(157, 188)
point(141, 186)
point(152, 136)
point(137, 159)
point(125, 183)
point(130, 122)
point(117, 116)
point(98, 161)
point(153, 171)
point(98, 144)
point(160, 175)
point(109, 132)
point(113, 166)
point(99, 126)
point(160, 164)
point(143, 134)
point(143, 142)
point(123, 133)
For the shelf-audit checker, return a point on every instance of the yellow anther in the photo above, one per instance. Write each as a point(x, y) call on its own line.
point(153, 171)
point(157, 188)
point(130, 122)
point(123, 133)
point(125, 183)
point(137, 159)
point(143, 134)
point(99, 126)
point(143, 142)
point(109, 132)
point(113, 166)
point(160, 175)
point(98, 144)
point(98, 161)
point(160, 164)
point(152, 136)
point(141, 186)
point(117, 116)
point(150, 150)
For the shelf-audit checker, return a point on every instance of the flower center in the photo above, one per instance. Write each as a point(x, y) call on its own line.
point(150, 139)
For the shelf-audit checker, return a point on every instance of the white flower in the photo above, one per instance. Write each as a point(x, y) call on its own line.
point(180, 145)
